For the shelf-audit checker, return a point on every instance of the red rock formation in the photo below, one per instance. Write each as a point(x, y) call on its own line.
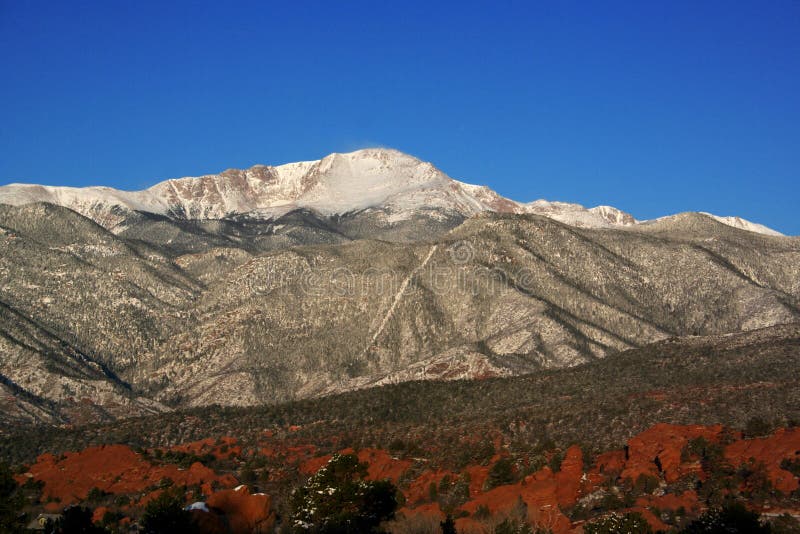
point(114, 469)
point(381, 464)
point(246, 513)
point(657, 450)
point(212, 446)
point(569, 478)
point(771, 451)
point(607, 467)
point(419, 489)
point(540, 494)
point(99, 513)
point(687, 500)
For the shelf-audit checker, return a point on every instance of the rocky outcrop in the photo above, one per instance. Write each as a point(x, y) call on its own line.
point(656, 452)
point(245, 512)
point(114, 469)
point(770, 452)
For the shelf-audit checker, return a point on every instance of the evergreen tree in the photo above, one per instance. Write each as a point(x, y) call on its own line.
point(166, 515)
point(77, 520)
point(732, 518)
point(448, 525)
point(337, 499)
point(11, 501)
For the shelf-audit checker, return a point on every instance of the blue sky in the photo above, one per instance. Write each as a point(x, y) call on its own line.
point(653, 107)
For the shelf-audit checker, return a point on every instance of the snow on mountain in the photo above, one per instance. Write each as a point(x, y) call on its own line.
point(738, 222)
point(337, 184)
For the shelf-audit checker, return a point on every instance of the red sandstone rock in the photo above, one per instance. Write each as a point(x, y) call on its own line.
point(99, 513)
point(661, 445)
point(382, 465)
point(419, 490)
point(114, 469)
point(687, 500)
point(770, 451)
point(246, 512)
point(569, 478)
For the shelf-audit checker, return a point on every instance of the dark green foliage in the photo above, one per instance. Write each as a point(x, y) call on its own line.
point(166, 515)
point(501, 473)
point(77, 520)
point(515, 521)
point(645, 484)
point(756, 427)
point(337, 499)
point(448, 525)
point(791, 465)
point(180, 458)
point(111, 518)
point(513, 526)
point(555, 461)
point(96, 494)
point(247, 475)
point(482, 512)
point(630, 523)
point(453, 493)
point(433, 492)
point(732, 518)
point(11, 501)
point(710, 454)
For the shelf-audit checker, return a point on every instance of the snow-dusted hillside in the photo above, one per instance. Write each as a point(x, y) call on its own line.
point(337, 184)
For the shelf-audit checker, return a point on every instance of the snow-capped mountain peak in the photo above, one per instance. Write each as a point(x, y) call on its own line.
point(339, 183)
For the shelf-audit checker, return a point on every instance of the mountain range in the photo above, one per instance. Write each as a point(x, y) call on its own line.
point(397, 184)
point(361, 269)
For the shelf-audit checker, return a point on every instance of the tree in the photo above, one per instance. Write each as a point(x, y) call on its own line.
point(166, 515)
point(732, 518)
point(11, 501)
point(501, 473)
point(77, 520)
point(337, 499)
point(448, 525)
point(757, 427)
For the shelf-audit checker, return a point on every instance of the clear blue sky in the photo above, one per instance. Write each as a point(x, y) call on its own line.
point(653, 107)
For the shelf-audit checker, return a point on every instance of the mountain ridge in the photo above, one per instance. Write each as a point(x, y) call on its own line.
point(337, 184)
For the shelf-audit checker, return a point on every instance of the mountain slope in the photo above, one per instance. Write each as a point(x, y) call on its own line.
point(132, 311)
point(233, 322)
point(600, 404)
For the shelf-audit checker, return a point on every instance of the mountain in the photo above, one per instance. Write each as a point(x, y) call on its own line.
point(397, 184)
point(119, 304)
